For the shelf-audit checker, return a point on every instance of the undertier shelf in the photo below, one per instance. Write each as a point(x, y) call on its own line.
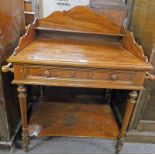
point(81, 117)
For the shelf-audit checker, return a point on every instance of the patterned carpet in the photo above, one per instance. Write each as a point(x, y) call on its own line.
point(58, 145)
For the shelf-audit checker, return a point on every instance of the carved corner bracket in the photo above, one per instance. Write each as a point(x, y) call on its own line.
point(27, 38)
point(130, 43)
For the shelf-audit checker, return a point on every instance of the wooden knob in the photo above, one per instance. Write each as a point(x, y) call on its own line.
point(47, 74)
point(114, 77)
point(150, 77)
point(7, 68)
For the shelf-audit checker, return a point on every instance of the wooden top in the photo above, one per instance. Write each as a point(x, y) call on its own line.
point(61, 46)
point(76, 53)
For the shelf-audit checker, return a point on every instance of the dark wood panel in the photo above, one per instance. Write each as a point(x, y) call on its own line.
point(144, 111)
point(142, 126)
point(4, 130)
point(143, 23)
point(28, 6)
point(29, 17)
point(149, 112)
point(11, 27)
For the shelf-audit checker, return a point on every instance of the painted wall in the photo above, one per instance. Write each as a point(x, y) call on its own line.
point(49, 6)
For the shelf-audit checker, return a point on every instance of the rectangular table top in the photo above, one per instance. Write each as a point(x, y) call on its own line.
point(47, 51)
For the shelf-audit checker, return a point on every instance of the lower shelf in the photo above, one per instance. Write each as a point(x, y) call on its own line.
point(82, 117)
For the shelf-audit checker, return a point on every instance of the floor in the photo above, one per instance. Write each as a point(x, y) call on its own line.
point(82, 146)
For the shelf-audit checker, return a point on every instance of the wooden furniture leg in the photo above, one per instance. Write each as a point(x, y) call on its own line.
point(23, 108)
point(128, 112)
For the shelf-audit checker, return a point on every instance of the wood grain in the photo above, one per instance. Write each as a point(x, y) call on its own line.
point(11, 28)
point(66, 49)
point(143, 23)
point(23, 108)
point(80, 19)
point(28, 6)
point(131, 45)
point(142, 126)
point(78, 77)
point(83, 117)
point(26, 39)
point(128, 113)
point(76, 53)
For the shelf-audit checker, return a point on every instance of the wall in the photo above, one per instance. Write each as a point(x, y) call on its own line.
point(46, 7)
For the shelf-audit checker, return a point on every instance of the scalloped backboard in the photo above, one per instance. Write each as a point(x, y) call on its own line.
point(80, 19)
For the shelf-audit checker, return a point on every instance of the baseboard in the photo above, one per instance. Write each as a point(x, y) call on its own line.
point(8, 144)
point(140, 136)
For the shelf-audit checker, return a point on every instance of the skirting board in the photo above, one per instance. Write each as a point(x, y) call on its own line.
point(140, 136)
point(9, 144)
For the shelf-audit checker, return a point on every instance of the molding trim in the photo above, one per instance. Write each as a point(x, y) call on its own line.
point(8, 144)
point(140, 136)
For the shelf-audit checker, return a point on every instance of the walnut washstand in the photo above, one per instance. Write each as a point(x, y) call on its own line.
point(77, 48)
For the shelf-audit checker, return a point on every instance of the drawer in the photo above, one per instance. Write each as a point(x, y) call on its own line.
point(78, 77)
point(32, 72)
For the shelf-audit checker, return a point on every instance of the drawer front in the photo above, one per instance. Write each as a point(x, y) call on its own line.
point(78, 77)
point(78, 74)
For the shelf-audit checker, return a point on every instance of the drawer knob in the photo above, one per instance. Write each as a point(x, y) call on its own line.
point(47, 74)
point(113, 77)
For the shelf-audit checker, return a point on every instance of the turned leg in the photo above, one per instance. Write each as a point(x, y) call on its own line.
point(23, 108)
point(128, 112)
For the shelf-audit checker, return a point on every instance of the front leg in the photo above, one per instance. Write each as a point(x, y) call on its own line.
point(128, 112)
point(23, 108)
